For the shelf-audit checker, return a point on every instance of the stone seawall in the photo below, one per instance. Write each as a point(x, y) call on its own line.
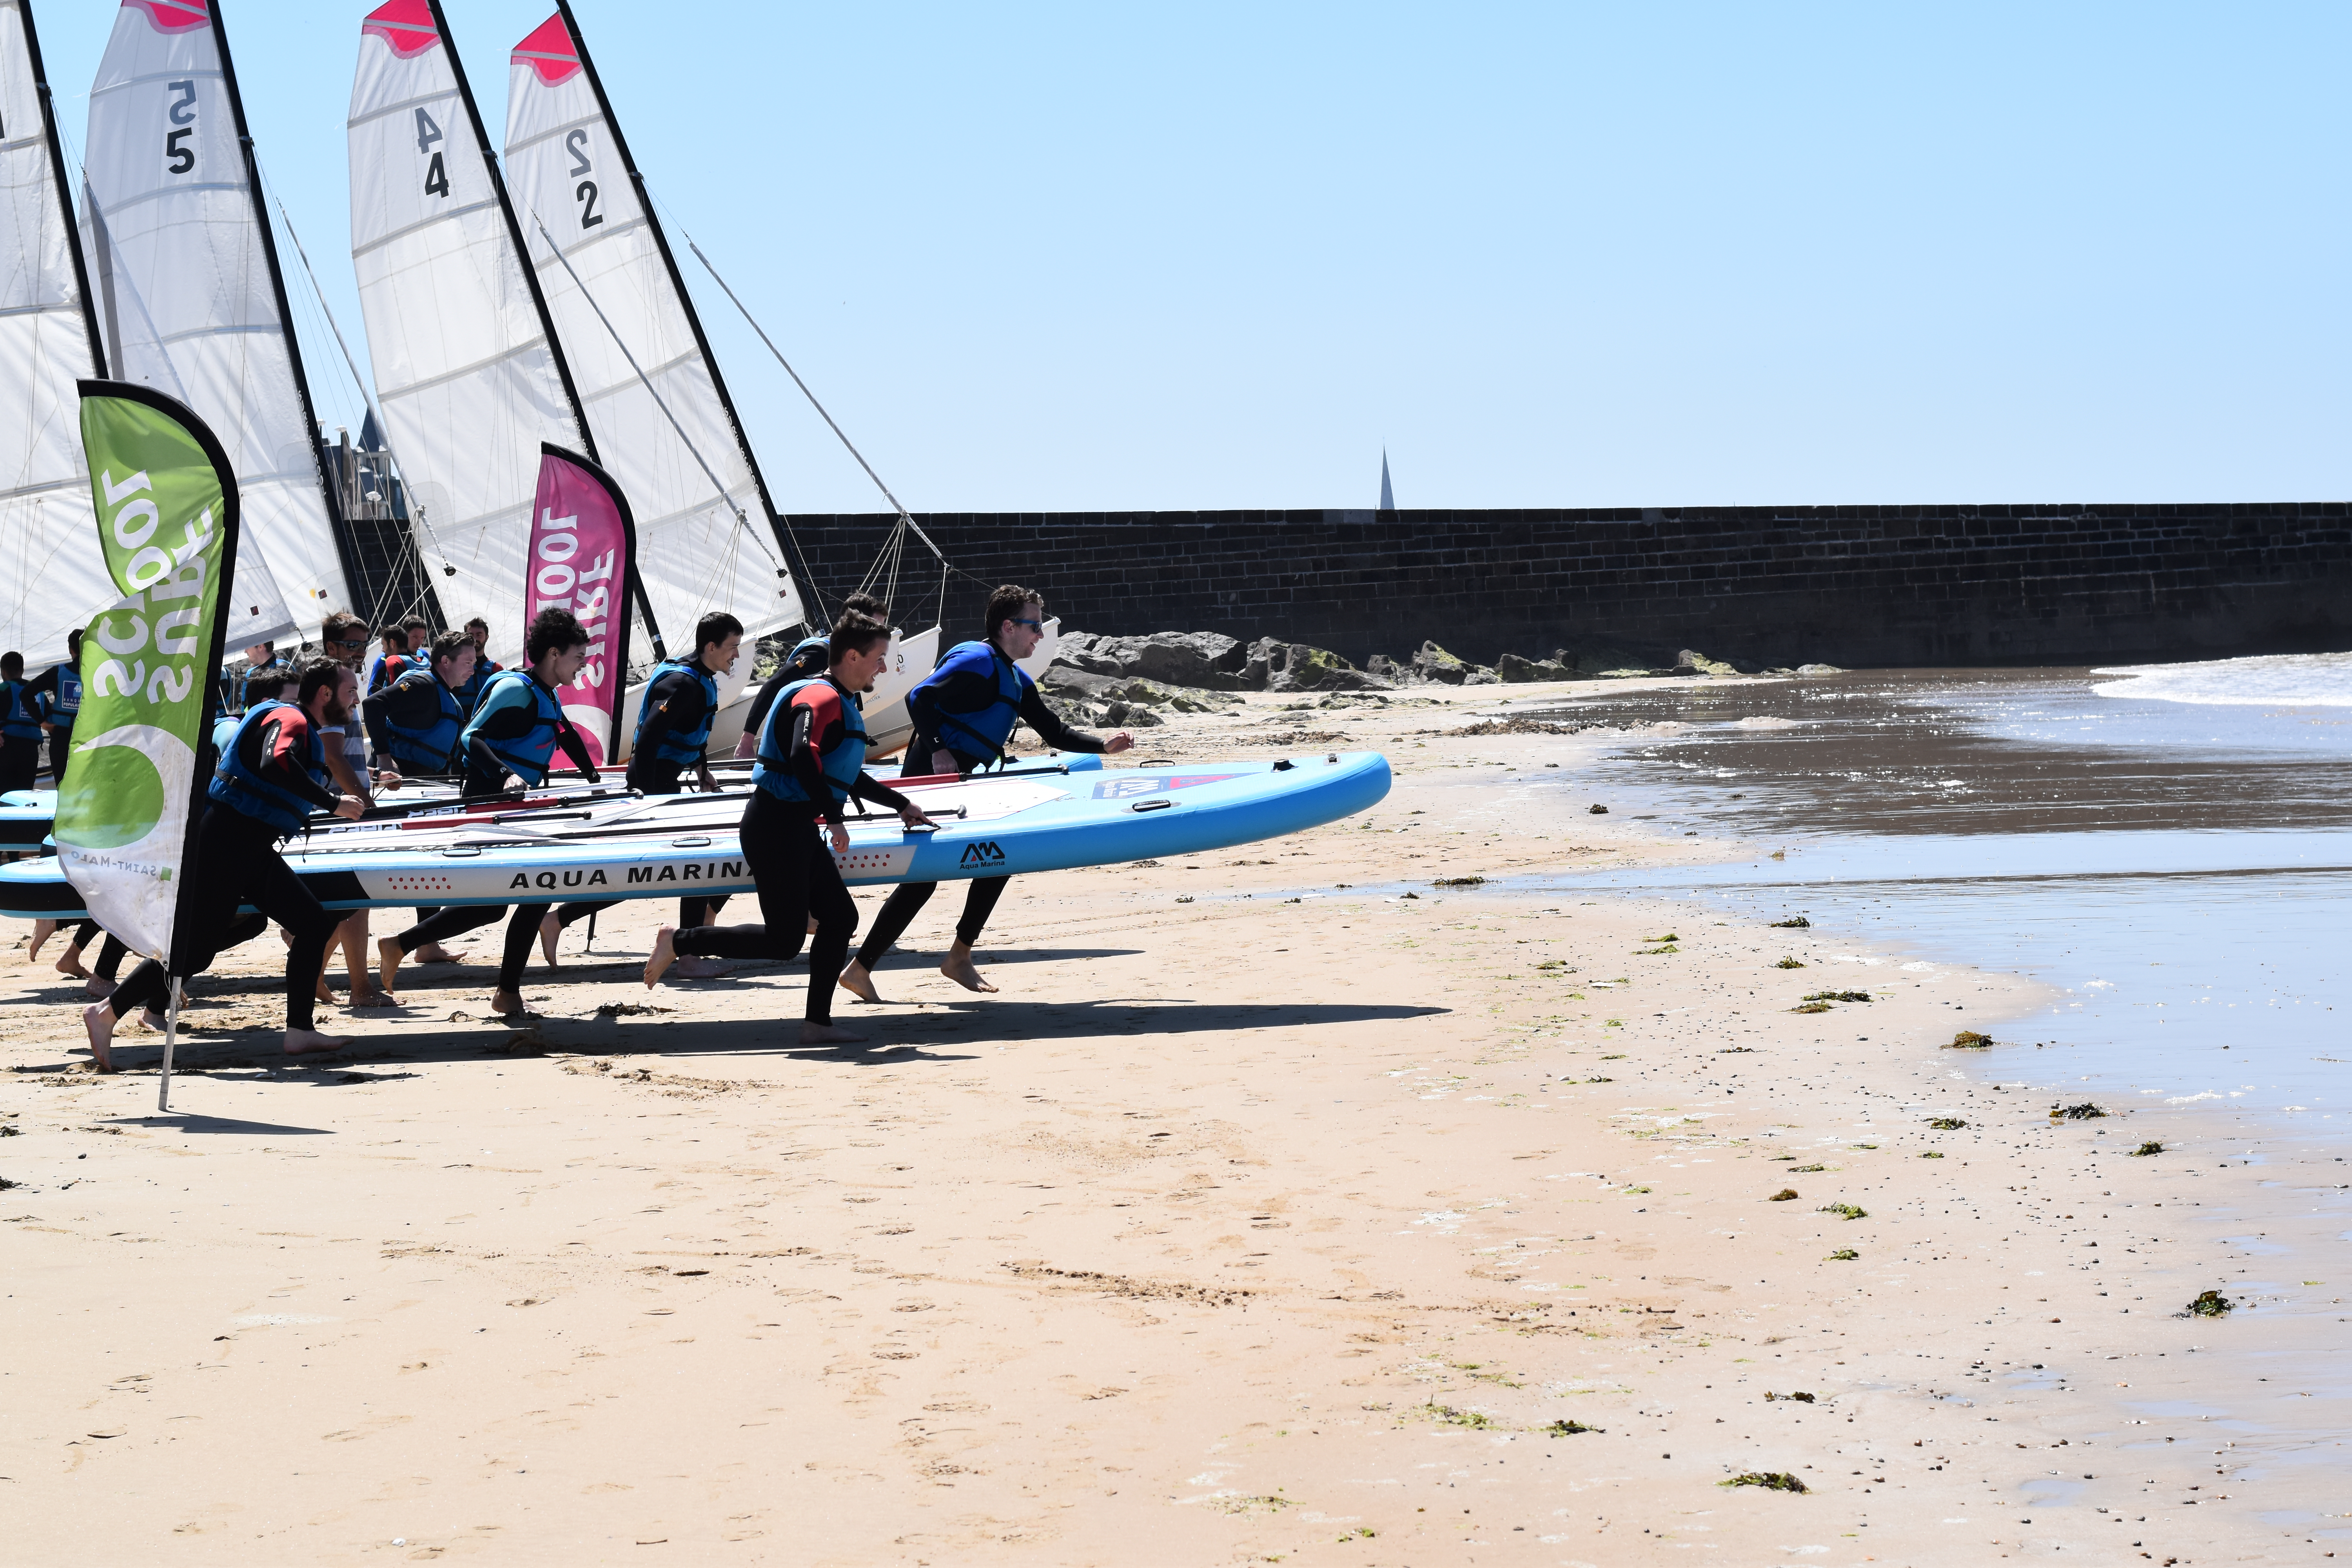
point(1850, 586)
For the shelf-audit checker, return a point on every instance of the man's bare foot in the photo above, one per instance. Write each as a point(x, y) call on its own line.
point(507, 1003)
point(98, 985)
point(693, 968)
point(665, 953)
point(434, 953)
point(829, 1034)
point(42, 932)
point(152, 1019)
point(387, 963)
point(859, 983)
point(306, 1042)
point(551, 931)
point(69, 965)
point(369, 997)
point(99, 1019)
point(325, 993)
point(960, 969)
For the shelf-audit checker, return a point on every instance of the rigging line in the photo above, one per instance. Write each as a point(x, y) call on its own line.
point(905, 517)
point(367, 393)
point(693, 451)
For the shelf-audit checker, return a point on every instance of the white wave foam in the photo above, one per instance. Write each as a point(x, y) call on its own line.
point(2296, 680)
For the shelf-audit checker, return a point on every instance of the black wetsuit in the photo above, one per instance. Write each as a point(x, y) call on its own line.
point(238, 863)
point(959, 693)
point(673, 701)
point(486, 775)
point(792, 865)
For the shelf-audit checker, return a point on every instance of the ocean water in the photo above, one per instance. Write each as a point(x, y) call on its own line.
point(2169, 848)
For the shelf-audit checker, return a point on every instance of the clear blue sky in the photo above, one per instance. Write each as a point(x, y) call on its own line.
point(1056, 257)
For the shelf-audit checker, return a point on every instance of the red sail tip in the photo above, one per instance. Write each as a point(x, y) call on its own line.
point(549, 52)
point(172, 16)
point(405, 25)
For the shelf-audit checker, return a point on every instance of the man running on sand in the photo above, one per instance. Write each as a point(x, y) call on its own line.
point(674, 720)
point(811, 763)
point(515, 731)
point(964, 713)
point(271, 776)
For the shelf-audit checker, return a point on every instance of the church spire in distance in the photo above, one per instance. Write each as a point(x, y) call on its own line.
point(1387, 496)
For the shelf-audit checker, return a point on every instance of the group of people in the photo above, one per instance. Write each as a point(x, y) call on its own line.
point(36, 711)
point(438, 707)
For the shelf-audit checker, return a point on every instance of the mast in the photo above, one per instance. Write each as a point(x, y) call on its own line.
point(58, 183)
point(678, 283)
point(539, 303)
point(346, 557)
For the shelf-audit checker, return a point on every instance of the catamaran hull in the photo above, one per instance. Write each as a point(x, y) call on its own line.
point(1013, 825)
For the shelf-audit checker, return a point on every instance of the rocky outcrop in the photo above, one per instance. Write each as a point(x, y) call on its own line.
point(1149, 673)
point(1208, 661)
point(1296, 666)
point(1512, 670)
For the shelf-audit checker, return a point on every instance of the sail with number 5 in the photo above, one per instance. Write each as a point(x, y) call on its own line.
point(50, 583)
point(469, 382)
point(181, 246)
point(709, 536)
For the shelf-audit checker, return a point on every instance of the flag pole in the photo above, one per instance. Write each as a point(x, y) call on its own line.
point(171, 1037)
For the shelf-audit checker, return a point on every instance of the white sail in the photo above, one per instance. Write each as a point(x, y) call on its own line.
point(53, 577)
point(469, 384)
point(698, 549)
point(174, 211)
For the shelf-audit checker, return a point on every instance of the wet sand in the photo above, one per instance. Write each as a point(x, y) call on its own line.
point(1429, 1183)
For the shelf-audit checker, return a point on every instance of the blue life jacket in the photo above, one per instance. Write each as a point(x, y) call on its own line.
point(981, 733)
point(526, 755)
point(429, 750)
point(65, 704)
point(470, 693)
point(681, 746)
point(225, 734)
point(242, 790)
point(773, 770)
point(19, 721)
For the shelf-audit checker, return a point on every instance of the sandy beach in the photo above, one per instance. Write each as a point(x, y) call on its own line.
point(1510, 1226)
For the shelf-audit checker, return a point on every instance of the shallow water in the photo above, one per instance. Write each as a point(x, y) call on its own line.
point(2177, 868)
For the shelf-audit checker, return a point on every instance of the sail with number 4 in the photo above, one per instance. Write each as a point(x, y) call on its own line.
point(469, 383)
point(181, 246)
point(709, 536)
point(50, 585)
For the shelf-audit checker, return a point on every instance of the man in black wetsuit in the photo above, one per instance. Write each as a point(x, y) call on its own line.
point(807, 660)
point(271, 776)
point(674, 720)
point(964, 711)
point(513, 735)
point(812, 761)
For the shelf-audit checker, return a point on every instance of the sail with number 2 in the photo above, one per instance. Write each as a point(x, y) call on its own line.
point(709, 535)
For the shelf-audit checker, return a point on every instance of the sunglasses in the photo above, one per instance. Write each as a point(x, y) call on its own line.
point(1032, 626)
point(347, 642)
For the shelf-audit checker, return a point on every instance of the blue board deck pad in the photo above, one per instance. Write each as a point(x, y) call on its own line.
point(1023, 820)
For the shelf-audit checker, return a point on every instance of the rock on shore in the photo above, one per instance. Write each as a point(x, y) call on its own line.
point(1123, 680)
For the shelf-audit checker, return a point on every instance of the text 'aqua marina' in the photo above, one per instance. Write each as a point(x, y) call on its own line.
point(635, 875)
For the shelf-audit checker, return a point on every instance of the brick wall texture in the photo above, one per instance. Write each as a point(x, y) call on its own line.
point(1849, 585)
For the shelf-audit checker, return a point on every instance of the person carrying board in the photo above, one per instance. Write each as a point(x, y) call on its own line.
point(812, 761)
point(964, 711)
point(272, 776)
point(512, 736)
point(674, 720)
